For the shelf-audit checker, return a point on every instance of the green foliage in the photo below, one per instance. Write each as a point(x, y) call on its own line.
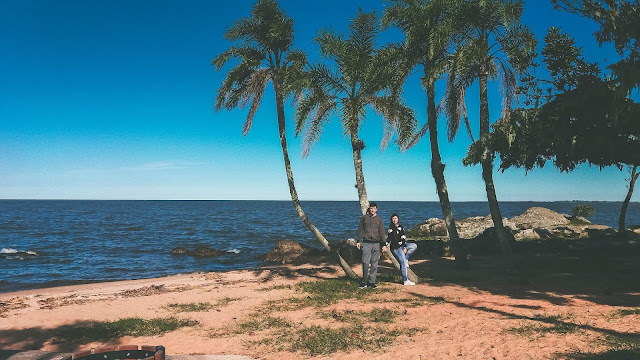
point(586, 117)
point(107, 331)
point(625, 312)
point(356, 75)
point(491, 44)
point(262, 320)
point(377, 315)
point(583, 210)
point(262, 45)
point(329, 291)
point(317, 340)
point(557, 325)
point(190, 307)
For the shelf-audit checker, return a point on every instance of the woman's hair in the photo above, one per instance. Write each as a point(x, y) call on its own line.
point(391, 219)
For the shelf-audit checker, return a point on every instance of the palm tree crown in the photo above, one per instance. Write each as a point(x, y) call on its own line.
point(362, 75)
point(262, 44)
point(493, 45)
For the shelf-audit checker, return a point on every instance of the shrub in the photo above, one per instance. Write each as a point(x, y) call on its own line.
point(583, 210)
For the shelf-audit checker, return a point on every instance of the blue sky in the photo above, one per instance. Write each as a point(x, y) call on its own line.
point(113, 100)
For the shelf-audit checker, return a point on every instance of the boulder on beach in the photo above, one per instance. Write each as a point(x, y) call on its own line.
point(539, 217)
point(287, 251)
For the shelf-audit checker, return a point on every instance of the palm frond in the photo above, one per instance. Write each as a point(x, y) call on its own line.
point(399, 119)
point(233, 86)
point(508, 86)
point(254, 91)
point(316, 126)
point(416, 137)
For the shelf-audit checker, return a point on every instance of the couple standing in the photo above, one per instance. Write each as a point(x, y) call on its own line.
point(371, 236)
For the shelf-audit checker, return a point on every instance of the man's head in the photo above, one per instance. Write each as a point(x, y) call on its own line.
point(373, 207)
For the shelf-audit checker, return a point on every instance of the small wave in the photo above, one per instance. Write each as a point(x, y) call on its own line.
point(235, 251)
point(11, 253)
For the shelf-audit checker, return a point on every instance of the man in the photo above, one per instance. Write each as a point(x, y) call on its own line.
point(371, 236)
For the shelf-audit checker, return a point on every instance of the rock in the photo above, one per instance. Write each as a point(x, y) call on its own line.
point(179, 251)
point(430, 228)
point(467, 228)
point(200, 251)
point(203, 251)
point(287, 251)
point(539, 217)
point(582, 220)
point(487, 242)
point(527, 234)
point(350, 253)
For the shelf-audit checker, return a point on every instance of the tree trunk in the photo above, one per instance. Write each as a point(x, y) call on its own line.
point(437, 170)
point(357, 146)
point(292, 187)
point(487, 172)
point(625, 204)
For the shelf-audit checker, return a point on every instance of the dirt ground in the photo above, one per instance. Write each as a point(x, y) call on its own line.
point(566, 307)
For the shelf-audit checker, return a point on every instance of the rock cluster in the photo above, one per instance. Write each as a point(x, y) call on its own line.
point(535, 223)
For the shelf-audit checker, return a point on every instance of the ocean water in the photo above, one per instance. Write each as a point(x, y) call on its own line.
point(56, 242)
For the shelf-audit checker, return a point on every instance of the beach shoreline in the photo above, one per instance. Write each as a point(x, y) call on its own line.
point(452, 314)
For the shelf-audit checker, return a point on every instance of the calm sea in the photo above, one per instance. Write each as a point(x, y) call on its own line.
point(70, 241)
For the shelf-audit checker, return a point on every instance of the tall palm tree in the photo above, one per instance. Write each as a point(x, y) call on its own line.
point(361, 76)
point(262, 44)
point(492, 45)
point(427, 27)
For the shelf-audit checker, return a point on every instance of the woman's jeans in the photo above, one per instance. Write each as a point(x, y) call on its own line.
point(402, 258)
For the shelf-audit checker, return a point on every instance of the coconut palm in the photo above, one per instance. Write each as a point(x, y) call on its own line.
point(262, 44)
point(362, 76)
point(492, 45)
point(427, 27)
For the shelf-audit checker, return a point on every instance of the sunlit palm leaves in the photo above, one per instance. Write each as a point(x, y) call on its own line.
point(357, 75)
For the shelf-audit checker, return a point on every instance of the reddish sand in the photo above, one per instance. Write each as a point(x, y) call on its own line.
point(458, 315)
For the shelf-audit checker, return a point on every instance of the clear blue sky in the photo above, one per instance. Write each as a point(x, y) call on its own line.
point(113, 100)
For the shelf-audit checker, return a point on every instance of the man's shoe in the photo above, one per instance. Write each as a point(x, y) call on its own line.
point(409, 282)
point(363, 286)
point(371, 285)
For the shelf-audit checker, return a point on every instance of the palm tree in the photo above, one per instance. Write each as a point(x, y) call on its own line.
point(492, 44)
point(427, 27)
point(362, 76)
point(262, 44)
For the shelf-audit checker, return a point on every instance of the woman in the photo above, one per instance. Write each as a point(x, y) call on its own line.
point(399, 247)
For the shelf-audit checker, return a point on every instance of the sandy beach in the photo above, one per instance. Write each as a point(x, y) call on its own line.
point(266, 313)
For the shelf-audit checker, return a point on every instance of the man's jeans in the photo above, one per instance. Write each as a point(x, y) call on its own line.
point(403, 258)
point(370, 255)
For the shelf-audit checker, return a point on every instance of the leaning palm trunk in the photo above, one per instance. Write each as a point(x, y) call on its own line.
point(437, 170)
point(487, 173)
point(294, 194)
point(625, 204)
point(356, 145)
